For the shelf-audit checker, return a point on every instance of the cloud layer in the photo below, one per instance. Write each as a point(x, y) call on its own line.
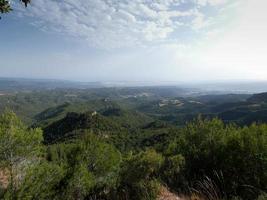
point(120, 23)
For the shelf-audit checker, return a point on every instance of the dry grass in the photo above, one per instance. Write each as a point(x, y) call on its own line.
point(207, 189)
point(165, 194)
point(4, 178)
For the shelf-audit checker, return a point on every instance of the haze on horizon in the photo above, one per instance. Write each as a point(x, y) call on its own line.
point(135, 40)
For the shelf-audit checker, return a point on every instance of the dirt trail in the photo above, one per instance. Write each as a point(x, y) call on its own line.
point(3, 178)
point(165, 194)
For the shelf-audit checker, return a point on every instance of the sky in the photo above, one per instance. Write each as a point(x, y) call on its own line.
point(135, 40)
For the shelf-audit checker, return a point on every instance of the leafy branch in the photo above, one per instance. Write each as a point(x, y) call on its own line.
point(6, 8)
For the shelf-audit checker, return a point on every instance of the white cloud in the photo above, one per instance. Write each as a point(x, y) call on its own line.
point(120, 23)
point(211, 2)
point(239, 53)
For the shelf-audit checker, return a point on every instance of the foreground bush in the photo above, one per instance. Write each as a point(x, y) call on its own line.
point(20, 149)
point(206, 159)
point(138, 175)
point(238, 155)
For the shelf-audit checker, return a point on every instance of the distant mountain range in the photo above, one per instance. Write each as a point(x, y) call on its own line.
point(193, 88)
point(21, 84)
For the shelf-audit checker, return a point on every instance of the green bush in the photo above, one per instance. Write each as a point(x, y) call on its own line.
point(147, 190)
point(214, 160)
point(262, 197)
point(20, 149)
point(80, 184)
point(172, 171)
point(138, 176)
point(42, 182)
point(239, 154)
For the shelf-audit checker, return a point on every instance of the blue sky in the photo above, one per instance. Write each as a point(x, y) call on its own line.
point(135, 40)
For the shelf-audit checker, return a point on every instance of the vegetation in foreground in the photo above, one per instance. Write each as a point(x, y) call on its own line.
point(206, 159)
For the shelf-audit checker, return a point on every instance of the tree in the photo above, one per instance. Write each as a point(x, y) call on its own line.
point(19, 148)
point(5, 5)
point(26, 2)
point(97, 161)
point(81, 183)
point(41, 182)
point(232, 158)
point(138, 176)
point(92, 167)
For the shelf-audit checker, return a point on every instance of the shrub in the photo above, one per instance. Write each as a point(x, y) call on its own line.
point(239, 154)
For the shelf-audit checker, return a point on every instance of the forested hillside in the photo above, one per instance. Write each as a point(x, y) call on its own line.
point(131, 144)
point(206, 159)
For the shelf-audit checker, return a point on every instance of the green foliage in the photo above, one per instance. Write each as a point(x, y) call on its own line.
point(239, 154)
point(129, 107)
point(41, 182)
point(122, 154)
point(138, 176)
point(19, 148)
point(75, 121)
point(146, 190)
point(144, 165)
point(80, 184)
point(172, 172)
point(101, 159)
point(4, 6)
point(17, 142)
point(262, 197)
point(92, 167)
